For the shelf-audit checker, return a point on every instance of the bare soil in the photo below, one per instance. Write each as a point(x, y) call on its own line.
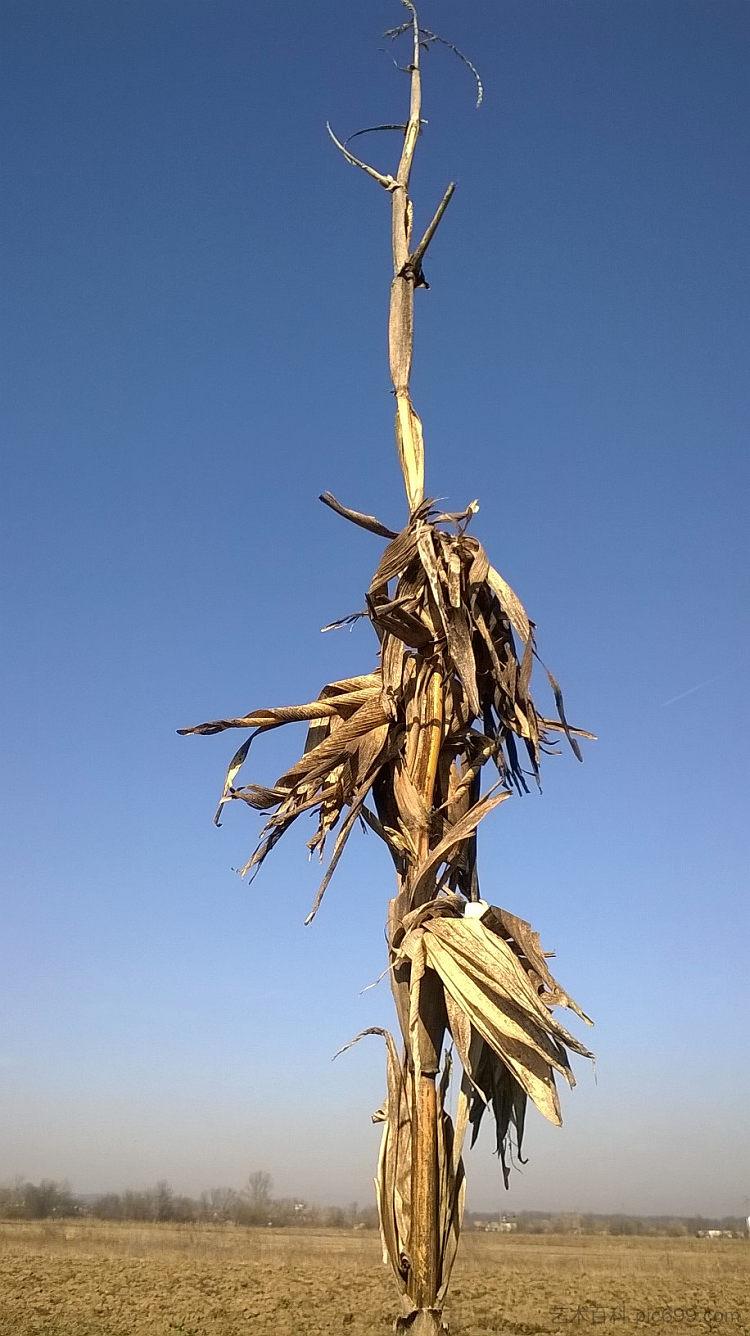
point(95, 1279)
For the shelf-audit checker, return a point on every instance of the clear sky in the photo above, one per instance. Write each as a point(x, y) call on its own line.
point(194, 348)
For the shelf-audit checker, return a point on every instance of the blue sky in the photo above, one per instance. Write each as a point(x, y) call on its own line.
point(194, 348)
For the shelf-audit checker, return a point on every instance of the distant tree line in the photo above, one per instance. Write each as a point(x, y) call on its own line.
point(573, 1222)
point(254, 1204)
point(37, 1201)
point(251, 1205)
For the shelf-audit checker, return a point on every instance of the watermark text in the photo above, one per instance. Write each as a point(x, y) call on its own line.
point(658, 1316)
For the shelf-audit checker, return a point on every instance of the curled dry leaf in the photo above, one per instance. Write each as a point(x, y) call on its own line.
point(498, 996)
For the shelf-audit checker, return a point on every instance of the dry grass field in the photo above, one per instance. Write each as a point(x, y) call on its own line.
point(93, 1279)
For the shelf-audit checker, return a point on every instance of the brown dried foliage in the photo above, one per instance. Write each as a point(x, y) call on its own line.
point(445, 621)
point(449, 671)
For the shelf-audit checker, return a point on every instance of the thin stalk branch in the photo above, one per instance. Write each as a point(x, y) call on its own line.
point(415, 107)
point(401, 316)
point(414, 262)
point(387, 182)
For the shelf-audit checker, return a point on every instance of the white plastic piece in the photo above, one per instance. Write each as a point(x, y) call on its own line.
point(476, 908)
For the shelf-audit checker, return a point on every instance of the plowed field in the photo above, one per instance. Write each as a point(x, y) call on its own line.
point(89, 1279)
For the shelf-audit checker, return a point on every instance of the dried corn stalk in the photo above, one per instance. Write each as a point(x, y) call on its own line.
point(403, 748)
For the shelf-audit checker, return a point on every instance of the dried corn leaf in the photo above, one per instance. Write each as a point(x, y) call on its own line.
point(451, 1178)
point(393, 653)
point(517, 931)
point(524, 674)
point(414, 814)
point(318, 731)
point(427, 872)
point(554, 726)
point(508, 1036)
point(284, 714)
point(399, 618)
point(338, 849)
point(255, 795)
point(371, 748)
point(235, 765)
point(454, 578)
point(396, 845)
point(393, 1182)
point(461, 1033)
point(395, 559)
point(345, 687)
point(496, 967)
point(487, 982)
point(363, 521)
point(510, 604)
point(317, 762)
point(504, 679)
point(479, 568)
point(452, 620)
point(560, 703)
point(443, 906)
point(508, 1102)
point(414, 947)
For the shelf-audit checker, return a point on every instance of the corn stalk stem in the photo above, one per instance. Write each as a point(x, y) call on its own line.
point(422, 758)
point(422, 761)
point(425, 1246)
point(424, 732)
